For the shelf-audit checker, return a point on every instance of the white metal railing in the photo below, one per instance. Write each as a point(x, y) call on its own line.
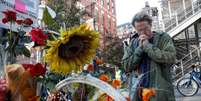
point(186, 62)
point(182, 16)
point(90, 80)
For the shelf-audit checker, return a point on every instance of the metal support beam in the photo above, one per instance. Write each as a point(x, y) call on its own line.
point(187, 39)
point(184, 6)
point(192, 4)
point(169, 9)
point(196, 33)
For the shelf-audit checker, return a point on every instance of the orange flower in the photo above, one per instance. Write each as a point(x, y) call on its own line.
point(108, 98)
point(90, 68)
point(147, 93)
point(104, 77)
point(116, 83)
point(128, 99)
point(99, 61)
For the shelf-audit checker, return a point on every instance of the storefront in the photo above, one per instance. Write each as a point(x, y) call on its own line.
point(23, 8)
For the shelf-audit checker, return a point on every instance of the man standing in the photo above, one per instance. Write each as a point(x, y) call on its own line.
point(150, 53)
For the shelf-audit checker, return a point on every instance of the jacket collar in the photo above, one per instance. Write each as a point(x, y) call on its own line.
point(157, 36)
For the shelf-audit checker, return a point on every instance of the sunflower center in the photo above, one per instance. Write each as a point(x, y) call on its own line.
point(72, 48)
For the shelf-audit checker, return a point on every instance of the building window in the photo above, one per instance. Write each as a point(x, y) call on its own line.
point(102, 2)
point(108, 5)
point(113, 7)
point(103, 20)
point(191, 32)
point(96, 15)
point(180, 36)
point(109, 24)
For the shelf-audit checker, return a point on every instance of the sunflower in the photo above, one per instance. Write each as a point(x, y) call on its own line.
point(75, 47)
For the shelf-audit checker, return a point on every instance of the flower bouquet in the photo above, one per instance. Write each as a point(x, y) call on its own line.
point(64, 55)
point(13, 40)
point(22, 81)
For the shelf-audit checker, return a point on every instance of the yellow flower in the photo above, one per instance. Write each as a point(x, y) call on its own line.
point(76, 47)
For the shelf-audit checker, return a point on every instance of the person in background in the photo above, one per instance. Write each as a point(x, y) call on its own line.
point(150, 53)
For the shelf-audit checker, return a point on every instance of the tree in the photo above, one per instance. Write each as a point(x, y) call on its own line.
point(113, 51)
point(67, 13)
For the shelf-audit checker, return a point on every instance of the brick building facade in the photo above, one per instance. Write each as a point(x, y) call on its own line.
point(103, 13)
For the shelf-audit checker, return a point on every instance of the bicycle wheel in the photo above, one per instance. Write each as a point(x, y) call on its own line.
point(187, 87)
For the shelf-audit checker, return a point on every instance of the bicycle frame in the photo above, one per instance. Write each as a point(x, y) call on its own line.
point(195, 76)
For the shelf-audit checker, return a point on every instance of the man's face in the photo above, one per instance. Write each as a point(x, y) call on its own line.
point(143, 27)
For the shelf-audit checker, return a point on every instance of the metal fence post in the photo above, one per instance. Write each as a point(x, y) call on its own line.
point(176, 18)
point(182, 68)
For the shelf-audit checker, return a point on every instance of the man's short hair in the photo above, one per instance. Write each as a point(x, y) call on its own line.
point(141, 16)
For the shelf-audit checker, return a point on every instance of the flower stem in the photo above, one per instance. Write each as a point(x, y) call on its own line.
point(10, 34)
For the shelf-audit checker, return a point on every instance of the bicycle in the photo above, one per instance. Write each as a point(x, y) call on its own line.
point(190, 86)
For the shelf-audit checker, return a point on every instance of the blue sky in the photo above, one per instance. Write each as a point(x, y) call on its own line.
point(126, 9)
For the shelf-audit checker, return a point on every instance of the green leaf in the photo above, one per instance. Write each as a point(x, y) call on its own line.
point(21, 49)
point(25, 39)
point(47, 18)
point(18, 50)
point(21, 33)
point(50, 85)
point(26, 52)
point(3, 39)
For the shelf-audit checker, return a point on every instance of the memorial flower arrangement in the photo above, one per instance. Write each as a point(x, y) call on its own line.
point(14, 41)
point(114, 83)
point(22, 81)
point(65, 54)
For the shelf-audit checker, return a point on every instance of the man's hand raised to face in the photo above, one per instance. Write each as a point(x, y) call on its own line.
point(143, 40)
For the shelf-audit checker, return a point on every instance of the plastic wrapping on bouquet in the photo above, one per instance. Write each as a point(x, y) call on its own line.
point(2, 61)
